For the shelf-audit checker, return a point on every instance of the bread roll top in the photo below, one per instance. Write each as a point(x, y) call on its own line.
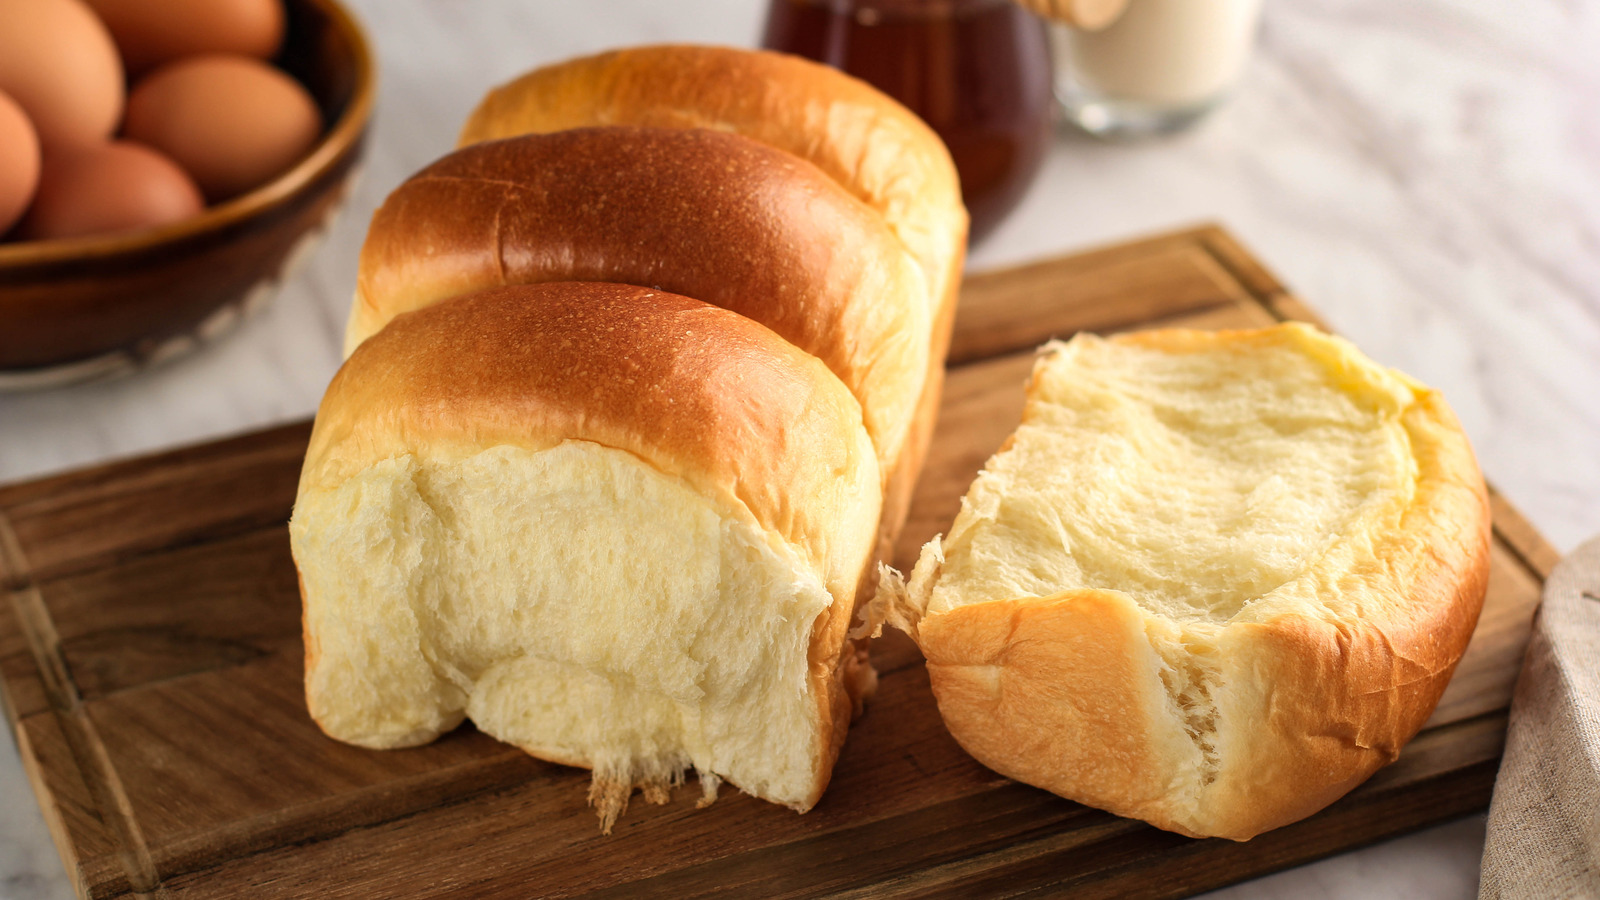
point(697, 392)
point(873, 146)
point(713, 216)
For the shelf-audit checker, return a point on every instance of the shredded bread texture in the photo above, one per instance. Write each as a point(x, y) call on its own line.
point(641, 644)
point(1173, 505)
point(1204, 483)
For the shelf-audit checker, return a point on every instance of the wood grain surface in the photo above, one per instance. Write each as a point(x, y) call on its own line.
point(150, 667)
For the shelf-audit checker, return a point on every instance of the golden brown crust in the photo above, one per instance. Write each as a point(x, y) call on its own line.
point(833, 666)
point(713, 216)
point(696, 391)
point(876, 148)
point(1054, 692)
point(903, 472)
point(1066, 692)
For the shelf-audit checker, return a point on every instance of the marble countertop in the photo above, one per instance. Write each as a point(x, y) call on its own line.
point(1425, 173)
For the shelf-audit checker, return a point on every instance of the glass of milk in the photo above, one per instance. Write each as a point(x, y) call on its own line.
point(1158, 67)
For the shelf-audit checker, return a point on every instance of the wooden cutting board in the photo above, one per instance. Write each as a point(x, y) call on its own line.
point(151, 661)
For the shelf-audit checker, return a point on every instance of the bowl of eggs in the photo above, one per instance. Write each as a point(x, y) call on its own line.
point(163, 164)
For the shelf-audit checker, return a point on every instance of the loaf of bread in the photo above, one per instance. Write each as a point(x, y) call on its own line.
point(619, 528)
point(874, 148)
point(803, 225)
point(1213, 581)
point(633, 401)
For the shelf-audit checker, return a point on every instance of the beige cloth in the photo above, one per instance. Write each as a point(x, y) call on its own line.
point(1544, 823)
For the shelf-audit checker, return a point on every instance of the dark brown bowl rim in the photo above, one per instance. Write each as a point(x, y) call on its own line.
point(328, 151)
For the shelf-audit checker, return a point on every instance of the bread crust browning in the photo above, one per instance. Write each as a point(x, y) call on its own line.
point(876, 148)
point(698, 392)
point(1075, 693)
point(713, 216)
point(1060, 692)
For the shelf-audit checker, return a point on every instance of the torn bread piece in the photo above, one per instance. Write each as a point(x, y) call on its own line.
point(619, 528)
point(1213, 581)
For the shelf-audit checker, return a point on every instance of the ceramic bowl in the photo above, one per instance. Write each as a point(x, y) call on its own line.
point(72, 310)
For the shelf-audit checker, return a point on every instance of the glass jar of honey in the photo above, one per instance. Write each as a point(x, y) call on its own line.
point(977, 71)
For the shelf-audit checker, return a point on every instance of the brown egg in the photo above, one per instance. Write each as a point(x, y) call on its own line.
point(232, 122)
point(19, 162)
point(57, 61)
point(152, 32)
point(115, 186)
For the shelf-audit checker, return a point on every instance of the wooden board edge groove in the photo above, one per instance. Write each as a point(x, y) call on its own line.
point(89, 753)
point(93, 761)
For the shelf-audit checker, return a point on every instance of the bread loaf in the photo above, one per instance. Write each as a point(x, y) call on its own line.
point(628, 413)
point(1213, 581)
point(876, 149)
point(619, 528)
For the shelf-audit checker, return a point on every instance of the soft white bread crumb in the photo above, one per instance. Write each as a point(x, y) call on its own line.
point(642, 643)
point(1214, 580)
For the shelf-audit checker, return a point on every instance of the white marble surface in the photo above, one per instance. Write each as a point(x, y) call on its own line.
point(1426, 173)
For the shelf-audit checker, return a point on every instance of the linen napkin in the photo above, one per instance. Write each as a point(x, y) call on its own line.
point(1544, 822)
